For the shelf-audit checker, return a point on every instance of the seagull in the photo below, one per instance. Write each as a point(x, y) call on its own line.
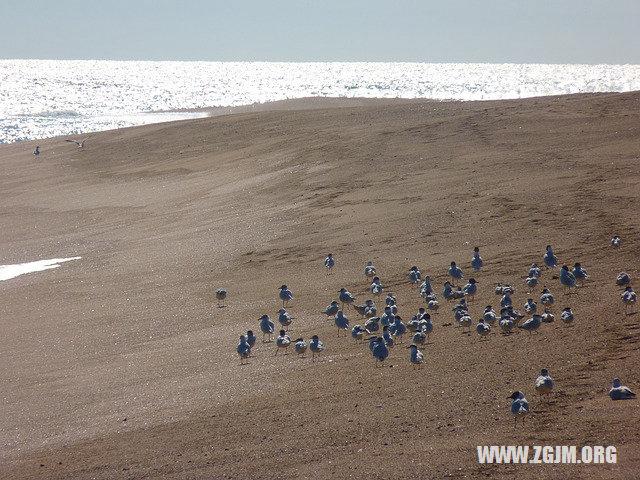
point(514, 314)
point(221, 295)
point(620, 392)
point(341, 321)
point(476, 260)
point(346, 297)
point(567, 315)
point(629, 298)
point(426, 288)
point(79, 143)
point(419, 338)
point(390, 300)
point(331, 309)
point(519, 406)
point(532, 324)
point(546, 298)
point(567, 279)
point(506, 300)
point(367, 309)
point(386, 336)
point(316, 346)
point(426, 326)
point(502, 289)
point(36, 152)
point(550, 259)
point(285, 295)
point(251, 338)
point(455, 272)
point(489, 316)
point(387, 317)
point(357, 332)
point(372, 324)
point(447, 291)
point(616, 241)
point(284, 318)
point(415, 356)
point(544, 383)
point(531, 282)
point(243, 349)
point(414, 275)
point(266, 326)
point(398, 328)
point(506, 325)
point(376, 287)
point(471, 288)
point(534, 270)
point(380, 351)
point(465, 321)
point(282, 341)
point(329, 263)
point(623, 279)
point(300, 346)
point(433, 305)
point(579, 273)
point(370, 270)
point(483, 328)
point(547, 316)
point(530, 306)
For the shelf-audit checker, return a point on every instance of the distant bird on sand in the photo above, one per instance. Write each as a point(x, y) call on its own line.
point(519, 406)
point(532, 282)
point(285, 295)
point(316, 346)
point(483, 329)
point(266, 327)
point(221, 295)
point(300, 346)
point(534, 270)
point(530, 306)
point(544, 383)
point(283, 341)
point(380, 351)
point(546, 297)
point(455, 272)
point(357, 332)
point(532, 324)
point(567, 279)
point(414, 275)
point(243, 349)
point(341, 321)
point(370, 270)
point(620, 392)
point(251, 338)
point(36, 152)
point(415, 356)
point(346, 297)
point(284, 318)
point(376, 287)
point(579, 273)
point(629, 298)
point(331, 309)
point(623, 279)
point(471, 288)
point(616, 241)
point(567, 315)
point(79, 143)
point(489, 315)
point(447, 291)
point(506, 325)
point(476, 260)
point(329, 263)
point(550, 259)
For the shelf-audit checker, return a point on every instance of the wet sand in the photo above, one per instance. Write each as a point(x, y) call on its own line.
point(120, 365)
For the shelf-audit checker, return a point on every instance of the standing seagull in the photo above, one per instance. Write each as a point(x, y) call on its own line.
point(550, 259)
point(284, 318)
point(316, 346)
point(341, 321)
point(376, 287)
point(629, 298)
point(346, 297)
point(329, 262)
point(380, 351)
point(476, 260)
point(414, 275)
point(415, 356)
point(567, 315)
point(300, 346)
point(266, 327)
point(567, 279)
point(370, 270)
point(471, 288)
point(580, 274)
point(79, 143)
point(221, 295)
point(455, 273)
point(282, 341)
point(285, 295)
point(331, 309)
point(623, 279)
point(532, 324)
point(620, 392)
point(616, 241)
point(483, 329)
point(519, 406)
point(546, 298)
point(544, 383)
point(243, 349)
point(36, 152)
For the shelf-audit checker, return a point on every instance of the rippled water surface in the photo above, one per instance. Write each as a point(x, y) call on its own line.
point(45, 98)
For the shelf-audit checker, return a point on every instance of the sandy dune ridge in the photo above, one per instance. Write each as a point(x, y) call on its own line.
point(119, 365)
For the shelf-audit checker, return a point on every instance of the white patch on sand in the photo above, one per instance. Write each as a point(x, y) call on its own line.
point(12, 271)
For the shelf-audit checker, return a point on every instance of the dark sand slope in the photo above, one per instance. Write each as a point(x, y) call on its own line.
point(119, 365)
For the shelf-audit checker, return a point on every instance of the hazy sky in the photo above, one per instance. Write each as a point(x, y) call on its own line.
point(548, 31)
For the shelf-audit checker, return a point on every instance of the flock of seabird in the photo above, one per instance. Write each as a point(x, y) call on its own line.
point(385, 330)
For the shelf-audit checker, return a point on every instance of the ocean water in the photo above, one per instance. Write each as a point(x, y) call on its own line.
point(45, 98)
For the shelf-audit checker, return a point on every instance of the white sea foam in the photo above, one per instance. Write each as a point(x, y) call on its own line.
point(44, 98)
point(11, 271)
